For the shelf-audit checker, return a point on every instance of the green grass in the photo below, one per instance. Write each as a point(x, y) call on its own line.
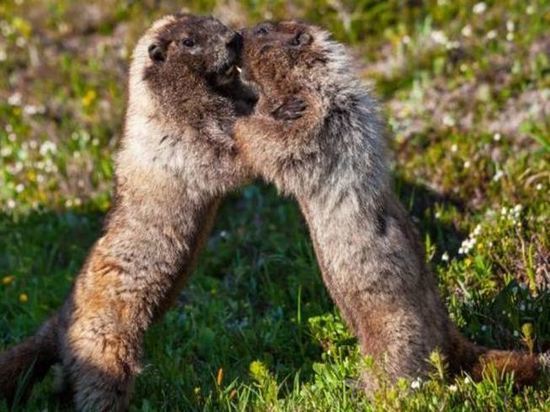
point(465, 89)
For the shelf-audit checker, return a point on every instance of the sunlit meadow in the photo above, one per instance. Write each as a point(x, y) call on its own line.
point(465, 87)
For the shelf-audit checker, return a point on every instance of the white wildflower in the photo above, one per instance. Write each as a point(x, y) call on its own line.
point(477, 231)
point(47, 147)
point(21, 42)
point(516, 333)
point(530, 9)
point(11, 204)
point(445, 257)
point(491, 34)
point(15, 99)
point(439, 37)
point(19, 188)
point(479, 8)
point(453, 388)
point(31, 109)
point(454, 148)
point(6, 151)
point(448, 120)
point(466, 31)
point(522, 307)
point(538, 186)
point(510, 36)
point(498, 175)
point(405, 39)
point(467, 245)
point(453, 45)
point(467, 164)
point(416, 383)
point(497, 137)
point(6, 28)
point(510, 26)
point(483, 328)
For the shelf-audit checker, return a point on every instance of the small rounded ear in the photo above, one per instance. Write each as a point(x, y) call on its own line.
point(301, 39)
point(157, 52)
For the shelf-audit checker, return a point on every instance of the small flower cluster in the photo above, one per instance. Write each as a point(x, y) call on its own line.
point(468, 244)
point(512, 214)
point(439, 37)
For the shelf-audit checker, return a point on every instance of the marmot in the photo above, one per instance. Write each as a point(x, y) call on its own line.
point(177, 158)
point(316, 134)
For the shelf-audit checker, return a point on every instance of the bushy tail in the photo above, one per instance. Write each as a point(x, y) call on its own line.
point(25, 364)
point(475, 360)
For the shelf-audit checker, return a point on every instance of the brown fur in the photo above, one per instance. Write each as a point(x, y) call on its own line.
point(317, 135)
point(177, 159)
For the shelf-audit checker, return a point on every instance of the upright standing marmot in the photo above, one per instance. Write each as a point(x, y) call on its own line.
point(177, 158)
point(317, 135)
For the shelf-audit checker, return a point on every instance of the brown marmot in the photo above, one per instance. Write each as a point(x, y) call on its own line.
point(316, 134)
point(176, 160)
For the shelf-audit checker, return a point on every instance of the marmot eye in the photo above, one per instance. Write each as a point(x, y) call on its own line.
point(261, 30)
point(302, 38)
point(188, 42)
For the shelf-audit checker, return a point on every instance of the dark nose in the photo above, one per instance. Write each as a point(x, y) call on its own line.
point(236, 43)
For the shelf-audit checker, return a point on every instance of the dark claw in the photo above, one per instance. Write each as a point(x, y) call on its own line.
point(292, 109)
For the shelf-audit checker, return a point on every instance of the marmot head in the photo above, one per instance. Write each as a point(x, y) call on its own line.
point(290, 54)
point(200, 46)
point(181, 61)
point(184, 95)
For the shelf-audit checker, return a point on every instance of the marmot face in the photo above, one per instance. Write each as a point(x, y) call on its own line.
point(280, 56)
point(186, 63)
point(201, 47)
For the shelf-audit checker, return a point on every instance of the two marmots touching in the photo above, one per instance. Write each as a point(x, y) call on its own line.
point(196, 129)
